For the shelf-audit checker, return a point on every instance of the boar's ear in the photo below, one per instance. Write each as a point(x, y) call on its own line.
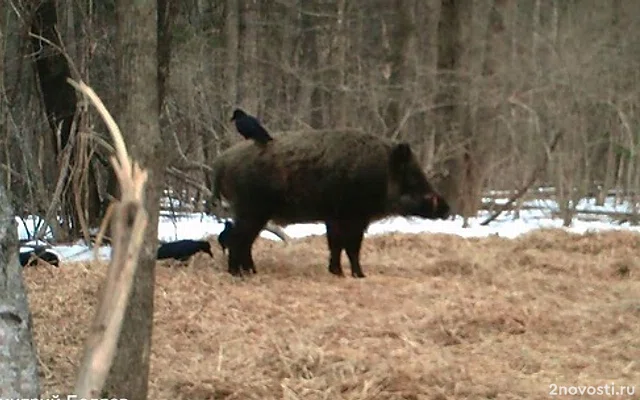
point(400, 155)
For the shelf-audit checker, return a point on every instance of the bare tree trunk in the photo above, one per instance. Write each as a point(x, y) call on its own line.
point(249, 85)
point(18, 362)
point(609, 170)
point(629, 188)
point(339, 102)
point(81, 201)
point(308, 98)
point(466, 157)
point(53, 70)
point(6, 137)
point(566, 175)
point(167, 10)
point(513, 60)
point(231, 36)
point(398, 53)
point(448, 92)
point(138, 73)
point(633, 198)
point(620, 194)
point(477, 115)
point(535, 42)
point(610, 167)
point(563, 186)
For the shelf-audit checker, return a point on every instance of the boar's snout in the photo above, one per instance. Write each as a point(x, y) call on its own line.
point(417, 196)
point(436, 206)
point(431, 206)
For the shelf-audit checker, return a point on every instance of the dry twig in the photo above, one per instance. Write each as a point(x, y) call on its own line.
point(130, 221)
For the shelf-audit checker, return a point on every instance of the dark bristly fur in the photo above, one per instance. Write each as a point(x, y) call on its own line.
point(182, 250)
point(225, 236)
point(39, 252)
point(345, 179)
point(249, 127)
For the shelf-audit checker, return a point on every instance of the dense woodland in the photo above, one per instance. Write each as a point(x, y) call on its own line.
point(492, 94)
point(489, 93)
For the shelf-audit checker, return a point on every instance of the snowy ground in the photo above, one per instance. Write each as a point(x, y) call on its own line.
point(197, 226)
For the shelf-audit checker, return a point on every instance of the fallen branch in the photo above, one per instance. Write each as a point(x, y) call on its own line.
point(532, 179)
point(130, 221)
point(616, 215)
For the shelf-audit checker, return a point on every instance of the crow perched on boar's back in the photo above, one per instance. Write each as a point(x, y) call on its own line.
point(250, 127)
point(345, 179)
point(182, 250)
point(225, 235)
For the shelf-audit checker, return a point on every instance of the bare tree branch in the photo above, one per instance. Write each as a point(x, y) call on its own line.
point(130, 221)
point(532, 179)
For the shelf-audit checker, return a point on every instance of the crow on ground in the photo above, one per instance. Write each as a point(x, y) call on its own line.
point(38, 252)
point(249, 127)
point(223, 237)
point(183, 249)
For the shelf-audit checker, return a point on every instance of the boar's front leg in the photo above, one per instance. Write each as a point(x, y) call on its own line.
point(245, 232)
point(345, 235)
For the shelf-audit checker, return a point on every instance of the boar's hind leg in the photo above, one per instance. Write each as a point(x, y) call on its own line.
point(345, 235)
point(245, 232)
point(353, 234)
point(335, 247)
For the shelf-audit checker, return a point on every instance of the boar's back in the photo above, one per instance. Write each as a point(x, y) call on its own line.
point(306, 176)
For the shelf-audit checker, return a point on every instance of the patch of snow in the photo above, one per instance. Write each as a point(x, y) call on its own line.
point(198, 226)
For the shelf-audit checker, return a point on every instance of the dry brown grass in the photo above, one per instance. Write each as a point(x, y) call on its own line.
point(439, 317)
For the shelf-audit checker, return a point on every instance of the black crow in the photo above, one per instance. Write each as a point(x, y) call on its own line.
point(39, 252)
point(223, 237)
point(183, 249)
point(249, 127)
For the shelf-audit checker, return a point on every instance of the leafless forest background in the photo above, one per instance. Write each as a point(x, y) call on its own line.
point(492, 94)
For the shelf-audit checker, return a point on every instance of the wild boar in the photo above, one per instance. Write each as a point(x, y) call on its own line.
point(344, 179)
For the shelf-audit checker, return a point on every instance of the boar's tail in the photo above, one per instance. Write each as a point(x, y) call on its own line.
point(216, 182)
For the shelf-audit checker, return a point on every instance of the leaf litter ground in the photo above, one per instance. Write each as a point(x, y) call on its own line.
point(438, 317)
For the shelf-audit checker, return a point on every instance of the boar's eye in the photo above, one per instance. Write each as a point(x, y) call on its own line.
point(414, 182)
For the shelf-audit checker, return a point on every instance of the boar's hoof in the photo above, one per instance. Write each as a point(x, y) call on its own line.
point(237, 272)
point(336, 270)
point(358, 274)
point(249, 269)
